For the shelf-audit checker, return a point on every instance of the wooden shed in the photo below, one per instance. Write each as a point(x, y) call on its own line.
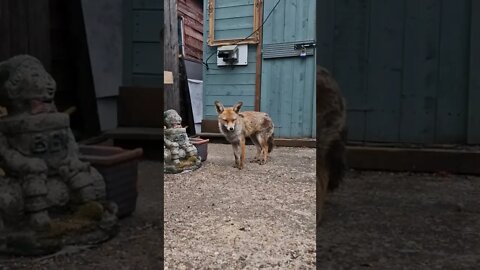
point(410, 69)
point(277, 78)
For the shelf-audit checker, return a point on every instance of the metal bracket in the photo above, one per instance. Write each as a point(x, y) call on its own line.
point(303, 46)
point(289, 49)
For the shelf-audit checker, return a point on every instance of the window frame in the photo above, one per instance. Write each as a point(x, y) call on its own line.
point(254, 39)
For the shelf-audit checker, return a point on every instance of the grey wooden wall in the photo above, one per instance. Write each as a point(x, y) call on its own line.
point(410, 70)
point(143, 47)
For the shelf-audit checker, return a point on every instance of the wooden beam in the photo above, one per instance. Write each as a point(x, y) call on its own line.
point(473, 124)
point(171, 97)
point(211, 21)
point(415, 160)
point(258, 72)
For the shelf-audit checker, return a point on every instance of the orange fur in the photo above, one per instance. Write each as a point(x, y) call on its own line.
point(236, 126)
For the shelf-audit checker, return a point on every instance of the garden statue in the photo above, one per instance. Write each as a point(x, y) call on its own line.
point(48, 197)
point(179, 153)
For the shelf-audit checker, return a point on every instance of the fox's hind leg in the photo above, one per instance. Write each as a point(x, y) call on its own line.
point(264, 148)
point(259, 148)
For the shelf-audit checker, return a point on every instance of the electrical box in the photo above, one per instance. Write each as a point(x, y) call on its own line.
point(232, 55)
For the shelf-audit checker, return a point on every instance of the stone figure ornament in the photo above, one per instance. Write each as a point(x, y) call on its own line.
point(179, 153)
point(48, 197)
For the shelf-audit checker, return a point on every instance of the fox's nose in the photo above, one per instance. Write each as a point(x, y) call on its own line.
point(230, 128)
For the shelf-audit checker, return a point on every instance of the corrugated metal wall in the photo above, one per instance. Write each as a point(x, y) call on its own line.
point(409, 69)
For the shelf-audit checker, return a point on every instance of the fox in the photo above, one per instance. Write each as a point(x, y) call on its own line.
point(236, 126)
point(331, 136)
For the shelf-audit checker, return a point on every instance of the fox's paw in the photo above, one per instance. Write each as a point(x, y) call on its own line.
point(238, 166)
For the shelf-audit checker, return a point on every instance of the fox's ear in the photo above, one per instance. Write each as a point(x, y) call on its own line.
point(236, 107)
point(219, 106)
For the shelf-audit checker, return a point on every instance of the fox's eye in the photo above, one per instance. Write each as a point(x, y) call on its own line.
point(224, 119)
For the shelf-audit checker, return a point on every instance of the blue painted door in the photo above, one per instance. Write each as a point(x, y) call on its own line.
point(288, 88)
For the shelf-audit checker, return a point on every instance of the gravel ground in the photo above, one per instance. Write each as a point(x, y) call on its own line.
point(218, 217)
point(381, 220)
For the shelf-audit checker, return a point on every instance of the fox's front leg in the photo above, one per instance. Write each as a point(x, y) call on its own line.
point(237, 153)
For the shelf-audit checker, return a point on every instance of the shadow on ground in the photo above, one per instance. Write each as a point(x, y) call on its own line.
point(381, 220)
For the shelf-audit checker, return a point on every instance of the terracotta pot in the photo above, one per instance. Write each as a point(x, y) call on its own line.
point(201, 145)
point(119, 168)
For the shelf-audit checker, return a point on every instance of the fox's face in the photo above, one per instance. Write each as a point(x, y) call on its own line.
point(227, 117)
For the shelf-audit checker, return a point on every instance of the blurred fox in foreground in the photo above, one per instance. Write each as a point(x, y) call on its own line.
point(331, 136)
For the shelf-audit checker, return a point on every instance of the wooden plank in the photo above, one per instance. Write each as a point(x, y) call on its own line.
point(127, 23)
point(258, 64)
point(210, 111)
point(473, 136)
point(294, 73)
point(226, 70)
point(39, 32)
point(146, 25)
point(5, 30)
point(356, 125)
point(421, 58)
point(18, 11)
point(350, 58)
point(228, 101)
point(193, 10)
point(139, 133)
point(193, 34)
point(142, 59)
point(147, 80)
point(233, 34)
point(232, 3)
point(414, 160)
point(325, 33)
point(241, 22)
point(211, 21)
point(147, 4)
point(385, 70)
point(230, 89)
point(452, 94)
point(240, 79)
point(172, 98)
point(193, 23)
point(138, 107)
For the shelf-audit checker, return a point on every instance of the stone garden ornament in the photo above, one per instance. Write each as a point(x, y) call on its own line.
point(179, 153)
point(48, 197)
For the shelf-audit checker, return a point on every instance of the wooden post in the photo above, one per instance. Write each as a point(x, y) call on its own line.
point(258, 72)
point(473, 124)
point(171, 93)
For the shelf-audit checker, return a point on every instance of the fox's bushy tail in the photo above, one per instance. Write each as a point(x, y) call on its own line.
point(336, 161)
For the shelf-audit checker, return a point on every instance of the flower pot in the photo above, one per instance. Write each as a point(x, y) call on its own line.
point(119, 168)
point(201, 145)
